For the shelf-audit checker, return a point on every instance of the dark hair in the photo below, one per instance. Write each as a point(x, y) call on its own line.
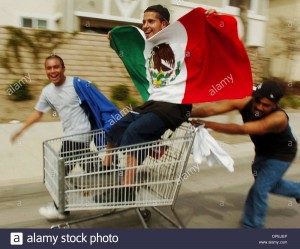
point(56, 57)
point(164, 14)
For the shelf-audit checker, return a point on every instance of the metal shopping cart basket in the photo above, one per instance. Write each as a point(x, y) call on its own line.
point(76, 178)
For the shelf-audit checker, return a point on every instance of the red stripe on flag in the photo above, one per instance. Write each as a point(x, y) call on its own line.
point(216, 60)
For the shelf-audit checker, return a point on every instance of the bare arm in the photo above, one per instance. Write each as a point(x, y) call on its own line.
point(273, 123)
point(219, 107)
point(34, 117)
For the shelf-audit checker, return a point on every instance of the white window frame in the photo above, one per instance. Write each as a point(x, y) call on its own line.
point(35, 22)
point(50, 19)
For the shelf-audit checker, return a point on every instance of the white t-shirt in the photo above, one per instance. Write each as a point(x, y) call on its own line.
point(64, 100)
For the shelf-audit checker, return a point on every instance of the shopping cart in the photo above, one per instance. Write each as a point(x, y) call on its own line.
point(77, 179)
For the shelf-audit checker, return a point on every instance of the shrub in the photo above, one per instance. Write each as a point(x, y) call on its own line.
point(290, 101)
point(18, 91)
point(121, 97)
point(120, 92)
point(133, 101)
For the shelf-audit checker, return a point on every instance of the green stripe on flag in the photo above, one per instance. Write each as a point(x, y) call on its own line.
point(129, 44)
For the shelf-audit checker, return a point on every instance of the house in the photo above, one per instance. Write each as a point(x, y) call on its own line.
point(282, 44)
point(99, 16)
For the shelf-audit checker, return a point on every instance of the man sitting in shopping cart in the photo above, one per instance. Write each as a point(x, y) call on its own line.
point(149, 121)
point(81, 108)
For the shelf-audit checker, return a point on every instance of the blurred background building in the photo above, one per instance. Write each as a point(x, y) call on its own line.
point(282, 42)
point(268, 28)
point(99, 16)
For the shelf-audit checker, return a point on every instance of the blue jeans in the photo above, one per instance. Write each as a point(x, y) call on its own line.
point(268, 175)
point(136, 128)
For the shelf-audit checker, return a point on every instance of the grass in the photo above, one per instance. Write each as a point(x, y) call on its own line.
point(292, 101)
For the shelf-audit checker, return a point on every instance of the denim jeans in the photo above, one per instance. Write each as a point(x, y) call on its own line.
point(136, 128)
point(268, 175)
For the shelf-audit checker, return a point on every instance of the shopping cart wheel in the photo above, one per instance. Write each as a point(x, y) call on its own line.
point(146, 213)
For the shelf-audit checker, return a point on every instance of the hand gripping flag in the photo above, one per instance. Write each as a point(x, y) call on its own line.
point(196, 59)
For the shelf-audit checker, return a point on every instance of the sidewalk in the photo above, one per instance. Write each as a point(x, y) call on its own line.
point(212, 198)
point(22, 162)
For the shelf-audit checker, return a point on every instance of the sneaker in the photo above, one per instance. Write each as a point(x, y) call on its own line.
point(50, 212)
point(298, 200)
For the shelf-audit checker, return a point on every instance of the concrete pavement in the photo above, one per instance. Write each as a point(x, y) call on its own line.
point(22, 162)
point(212, 198)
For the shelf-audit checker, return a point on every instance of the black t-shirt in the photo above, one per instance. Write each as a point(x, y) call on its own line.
point(280, 146)
point(173, 115)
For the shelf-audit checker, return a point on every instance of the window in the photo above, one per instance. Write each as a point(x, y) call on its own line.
point(27, 22)
point(34, 23)
point(42, 24)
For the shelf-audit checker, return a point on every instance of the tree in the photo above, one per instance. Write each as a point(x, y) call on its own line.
point(244, 6)
point(288, 34)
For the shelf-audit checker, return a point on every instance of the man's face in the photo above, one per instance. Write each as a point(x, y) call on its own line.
point(263, 106)
point(55, 71)
point(152, 24)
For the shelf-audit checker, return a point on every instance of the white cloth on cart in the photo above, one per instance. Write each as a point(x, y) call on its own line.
point(206, 148)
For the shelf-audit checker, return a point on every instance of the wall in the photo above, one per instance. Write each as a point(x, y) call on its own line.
point(86, 55)
point(12, 11)
point(279, 66)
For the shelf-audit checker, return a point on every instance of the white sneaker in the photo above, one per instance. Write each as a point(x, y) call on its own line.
point(51, 213)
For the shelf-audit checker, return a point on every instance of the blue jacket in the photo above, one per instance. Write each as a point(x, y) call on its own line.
point(100, 111)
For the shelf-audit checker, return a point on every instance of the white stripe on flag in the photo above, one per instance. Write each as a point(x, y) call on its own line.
point(175, 35)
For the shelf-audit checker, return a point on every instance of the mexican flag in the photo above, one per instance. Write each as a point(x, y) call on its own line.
point(196, 59)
